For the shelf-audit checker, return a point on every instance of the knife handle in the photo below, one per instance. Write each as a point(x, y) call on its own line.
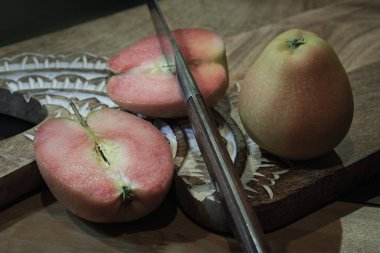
point(245, 224)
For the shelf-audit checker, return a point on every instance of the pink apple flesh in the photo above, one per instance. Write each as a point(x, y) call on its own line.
point(144, 84)
point(132, 184)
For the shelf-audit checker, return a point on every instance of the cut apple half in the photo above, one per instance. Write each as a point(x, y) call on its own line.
point(112, 167)
point(145, 84)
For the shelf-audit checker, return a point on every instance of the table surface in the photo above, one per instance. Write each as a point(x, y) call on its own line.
point(38, 223)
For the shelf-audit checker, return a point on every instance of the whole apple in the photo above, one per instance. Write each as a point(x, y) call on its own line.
point(296, 100)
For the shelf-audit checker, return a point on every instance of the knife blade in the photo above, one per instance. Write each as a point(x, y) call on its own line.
point(245, 224)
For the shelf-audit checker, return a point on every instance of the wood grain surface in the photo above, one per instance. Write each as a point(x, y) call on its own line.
point(39, 223)
point(108, 35)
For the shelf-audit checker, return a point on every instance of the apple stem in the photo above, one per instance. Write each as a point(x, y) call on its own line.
point(79, 116)
point(294, 43)
point(84, 124)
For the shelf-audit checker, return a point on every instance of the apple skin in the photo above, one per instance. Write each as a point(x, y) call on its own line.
point(296, 100)
point(140, 159)
point(144, 84)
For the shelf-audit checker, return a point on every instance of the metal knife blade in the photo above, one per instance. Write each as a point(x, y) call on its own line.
point(246, 226)
point(173, 55)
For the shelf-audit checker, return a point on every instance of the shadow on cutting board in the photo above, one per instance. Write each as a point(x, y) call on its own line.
point(10, 126)
point(368, 193)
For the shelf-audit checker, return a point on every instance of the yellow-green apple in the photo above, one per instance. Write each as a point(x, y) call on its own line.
point(144, 83)
point(296, 100)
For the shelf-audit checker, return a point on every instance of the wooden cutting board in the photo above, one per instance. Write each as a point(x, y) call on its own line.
point(283, 191)
point(280, 191)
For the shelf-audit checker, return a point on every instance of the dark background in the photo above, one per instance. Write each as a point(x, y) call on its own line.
point(23, 19)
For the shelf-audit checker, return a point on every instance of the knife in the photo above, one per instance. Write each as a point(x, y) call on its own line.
point(246, 226)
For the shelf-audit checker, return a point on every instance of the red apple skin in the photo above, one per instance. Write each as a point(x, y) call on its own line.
point(297, 103)
point(144, 85)
point(140, 158)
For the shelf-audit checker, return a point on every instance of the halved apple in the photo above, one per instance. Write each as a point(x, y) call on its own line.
point(112, 167)
point(144, 83)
